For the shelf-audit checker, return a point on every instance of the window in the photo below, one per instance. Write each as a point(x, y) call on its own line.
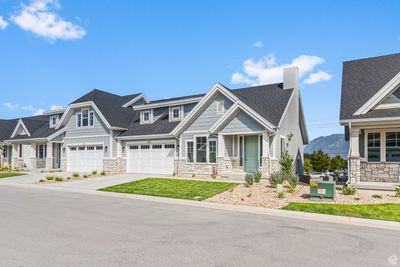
point(169, 146)
point(145, 147)
point(261, 149)
point(374, 147)
point(73, 148)
point(85, 118)
point(41, 151)
point(20, 151)
point(220, 107)
point(157, 146)
point(53, 120)
point(175, 113)
point(99, 147)
point(212, 151)
point(189, 156)
point(134, 147)
point(81, 148)
point(393, 146)
point(90, 148)
point(283, 146)
point(146, 116)
point(241, 151)
point(201, 149)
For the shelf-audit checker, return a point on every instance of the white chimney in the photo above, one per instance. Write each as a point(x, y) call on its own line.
point(291, 78)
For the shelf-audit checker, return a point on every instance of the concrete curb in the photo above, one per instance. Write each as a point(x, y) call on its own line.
point(388, 225)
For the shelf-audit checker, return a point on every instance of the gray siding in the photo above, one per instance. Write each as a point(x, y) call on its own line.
point(98, 133)
point(139, 102)
point(242, 123)
point(187, 108)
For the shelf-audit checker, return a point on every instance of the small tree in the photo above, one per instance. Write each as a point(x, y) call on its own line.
point(337, 163)
point(320, 161)
point(287, 160)
point(308, 166)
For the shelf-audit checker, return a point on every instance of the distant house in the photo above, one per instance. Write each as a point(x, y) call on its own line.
point(370, 113)
point(222, 132)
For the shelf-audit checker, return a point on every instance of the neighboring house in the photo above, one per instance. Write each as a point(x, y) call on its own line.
point(370, 112)
point(222, 132)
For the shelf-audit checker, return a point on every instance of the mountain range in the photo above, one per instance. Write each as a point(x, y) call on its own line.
point(333, 145)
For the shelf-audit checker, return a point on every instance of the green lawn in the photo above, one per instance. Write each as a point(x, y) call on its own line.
point(387, 212)
point(9, 174)
point(172, 188)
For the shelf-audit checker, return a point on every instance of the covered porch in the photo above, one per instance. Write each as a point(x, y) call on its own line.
point(29, 155)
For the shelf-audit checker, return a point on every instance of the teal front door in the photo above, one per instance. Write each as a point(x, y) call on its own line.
point(250, 153)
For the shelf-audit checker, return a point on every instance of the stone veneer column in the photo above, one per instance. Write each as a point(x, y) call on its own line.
point(265, 167)
point(49, 157)
point(354, 170)
point(33, 160)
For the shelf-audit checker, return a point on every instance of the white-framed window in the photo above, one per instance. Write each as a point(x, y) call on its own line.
point(85, 118)
point(176, 113)
point(212, 151)
point(374, 147)
point(53, 120)
point(393, 146)
point(201, 150)
point(190, 151)
point(41, 151)
point(282, 146)
point(220, 107)
point(146, 116)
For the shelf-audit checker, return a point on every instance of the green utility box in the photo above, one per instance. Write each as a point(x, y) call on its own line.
point(320, 190)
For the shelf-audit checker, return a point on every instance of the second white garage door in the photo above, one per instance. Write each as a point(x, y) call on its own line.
point(85, 158)
point(151, 158)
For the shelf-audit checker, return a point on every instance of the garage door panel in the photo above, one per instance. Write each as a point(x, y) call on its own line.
point(85, 159)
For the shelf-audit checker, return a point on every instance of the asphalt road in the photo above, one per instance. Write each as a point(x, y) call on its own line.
point(48, 228)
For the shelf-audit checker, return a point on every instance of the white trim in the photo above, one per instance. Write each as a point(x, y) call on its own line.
point(233, 111)
point(133, 101)
point(169, 103)
point(86, 144)
point(388, 106)
point(20, 124)
point(149, 142)
point(186, 153)
point(144, 137)
point(87, 136)
point(343, 122)
point(286, 109)
point(89, 112)
point(242, 133)
point(379, 96)
point(142, 121)
point(171, 113)
point(54, 135)
point(216, 88)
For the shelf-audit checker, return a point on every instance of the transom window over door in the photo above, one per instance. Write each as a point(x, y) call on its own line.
point(374, 147)
point(393, 146)
point(201, 149)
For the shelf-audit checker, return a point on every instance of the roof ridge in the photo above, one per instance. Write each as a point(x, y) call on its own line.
point(374, 57)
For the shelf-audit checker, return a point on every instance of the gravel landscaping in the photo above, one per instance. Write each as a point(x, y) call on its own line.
point(264, 195)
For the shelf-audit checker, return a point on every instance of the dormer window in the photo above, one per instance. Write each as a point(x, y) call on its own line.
point(85, 118)
point(146, 116)
point(176, 113)
point(53, 121)
point(220, 107)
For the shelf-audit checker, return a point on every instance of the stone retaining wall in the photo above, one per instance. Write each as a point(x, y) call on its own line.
point(182, 167)
point(117, 165)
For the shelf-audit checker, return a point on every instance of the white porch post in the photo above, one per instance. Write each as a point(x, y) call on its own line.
point(33, 156)
point(221, 154)
point(265, 144)
point(119, 149)
point(49, 157)
point(354, 157)
point(265, 159)
point(15, 156)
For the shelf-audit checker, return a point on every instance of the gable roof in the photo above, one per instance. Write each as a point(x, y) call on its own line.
point(6, 128)
point(362, 80)
point(111, 106)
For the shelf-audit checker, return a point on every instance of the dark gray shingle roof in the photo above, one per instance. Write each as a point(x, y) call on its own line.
point(6, 129)
point(362, 79)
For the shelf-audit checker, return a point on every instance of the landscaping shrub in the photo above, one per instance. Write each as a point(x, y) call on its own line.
point(94, 172)
point(257, 176)
point(277, 178)
point(280, 195)
point(50, 178)
point(193, 175)
point(75, 175)
point(349, 190)
point(103, 173)
point(85, 176)
point(5, 169)
point(249, 179)
point(293, 181)
point(376, 196)
point(398, 191)
point(59, 179)
point(41, 181)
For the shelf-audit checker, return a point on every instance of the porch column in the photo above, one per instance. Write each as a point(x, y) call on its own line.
point(119, 149)
point(49, 157)
point(33, 160)
point(354, 158)
point(221, 155)
point(15, 156)
point(265, 159)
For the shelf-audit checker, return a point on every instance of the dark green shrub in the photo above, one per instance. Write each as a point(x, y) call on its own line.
point(103, 173)
point(277, 178)
point(257, 176)
point(76, 175)
point(249, 179)
point(59, 179)
point(349, 190)
point(398, 191)
point(50, 178)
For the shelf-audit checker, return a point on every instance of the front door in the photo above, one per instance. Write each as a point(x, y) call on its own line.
point(250, 153)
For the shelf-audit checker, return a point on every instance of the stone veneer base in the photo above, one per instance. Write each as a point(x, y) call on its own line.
point(380, 172)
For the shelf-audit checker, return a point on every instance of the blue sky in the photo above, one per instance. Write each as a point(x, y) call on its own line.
point(52, 52)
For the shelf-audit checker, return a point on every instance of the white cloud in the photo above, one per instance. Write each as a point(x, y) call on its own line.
point(3, 23)
point(39, 112)
point(258, 44)
point(39, 18)
point(56, 107)
point(28, 108)
point(9, 105)
point(317, 77)
point(266, 70)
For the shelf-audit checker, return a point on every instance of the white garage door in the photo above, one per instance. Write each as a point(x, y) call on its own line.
point(151, 158)
point(85, 158)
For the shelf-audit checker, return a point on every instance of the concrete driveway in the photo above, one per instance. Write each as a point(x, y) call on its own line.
point(57, 228)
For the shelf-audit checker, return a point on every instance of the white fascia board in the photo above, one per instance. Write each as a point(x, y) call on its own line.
point(20, 124)
point(216, 88)
point(26, 140)
point(144, 137)
point(131, 102)
point(168, 103)
point(385, 119)
point(286, 109)
point(379, 96)
point(81, 105)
